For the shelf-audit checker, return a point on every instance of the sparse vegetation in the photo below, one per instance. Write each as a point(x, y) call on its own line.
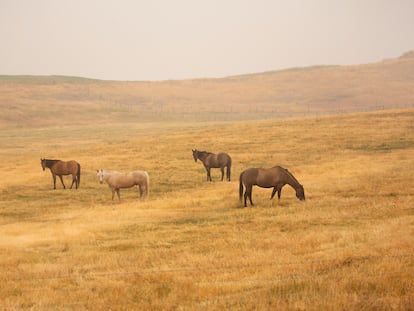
point(191, 246)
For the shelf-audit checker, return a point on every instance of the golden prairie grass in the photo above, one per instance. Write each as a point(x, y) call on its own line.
point(191, 245)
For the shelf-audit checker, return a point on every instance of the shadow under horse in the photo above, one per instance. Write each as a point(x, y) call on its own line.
point(211, 160)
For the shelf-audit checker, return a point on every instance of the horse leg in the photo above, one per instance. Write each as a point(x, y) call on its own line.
point(54, 181)
point(222, 173)
point(279, 192)
point(144, 192)
point(245, 198)
point(141, 191)
point(61, 180)
point(73, 181)
point(228, 172)
point(273, 193)
point(208, 173)
point(250, 198)
point(248, 194)
point(119, 196)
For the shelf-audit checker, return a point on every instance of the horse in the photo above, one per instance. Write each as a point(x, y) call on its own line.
point(117, 180)
point(211, 160)
point(59, 168)
point(275, 177)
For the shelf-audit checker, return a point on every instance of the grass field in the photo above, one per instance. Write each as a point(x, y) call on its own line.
point(349, 246)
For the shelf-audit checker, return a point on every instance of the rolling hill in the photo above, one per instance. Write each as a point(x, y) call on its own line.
point(36, 101)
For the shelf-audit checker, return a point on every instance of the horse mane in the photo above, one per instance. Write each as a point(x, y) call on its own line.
point(205, 152)
point(111, 172)
point(289, 173)
point(50, 162)
point(293, 177)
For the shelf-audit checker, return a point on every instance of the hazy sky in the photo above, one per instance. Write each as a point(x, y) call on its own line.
point(179, 39)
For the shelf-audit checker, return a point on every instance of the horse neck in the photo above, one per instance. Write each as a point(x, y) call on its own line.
point(50, 163)
point(292, 181)
point(107, 173)
point(202, 155)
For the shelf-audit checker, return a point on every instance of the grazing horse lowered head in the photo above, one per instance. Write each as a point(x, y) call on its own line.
point(211, 160)
point(59, 168)
point(275, 177)
point(117, 180)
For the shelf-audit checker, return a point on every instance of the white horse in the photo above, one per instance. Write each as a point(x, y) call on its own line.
point(117, 180)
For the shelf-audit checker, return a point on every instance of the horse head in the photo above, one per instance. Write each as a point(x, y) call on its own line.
point(300, 193)
point(43, 163)
point(195, 155)
point(100, 174)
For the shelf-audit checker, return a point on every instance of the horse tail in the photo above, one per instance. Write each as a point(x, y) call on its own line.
point(148, 185)
point(241, 186)
point(78, 174)
point(229, 168)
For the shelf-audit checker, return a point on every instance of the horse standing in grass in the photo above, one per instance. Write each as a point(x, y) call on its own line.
point(117, 180)
point(59, 168)
point(211, 160)
point(275, 177)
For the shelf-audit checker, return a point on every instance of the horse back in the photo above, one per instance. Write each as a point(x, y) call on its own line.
point(249, 176)
point(218, 160)
point(121, 180)
point(276, 175)
point(65, 167)
point(270, 177)
point(140, 177)
point(223, 159)
point(73, 167)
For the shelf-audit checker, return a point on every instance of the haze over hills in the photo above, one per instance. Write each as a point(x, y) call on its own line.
point(28, 101)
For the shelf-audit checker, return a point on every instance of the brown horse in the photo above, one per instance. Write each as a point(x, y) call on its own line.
point(275, 177)
point(117, 180)
point(59, 168)
point(211, 160)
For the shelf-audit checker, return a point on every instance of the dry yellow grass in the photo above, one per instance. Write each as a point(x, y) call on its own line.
point(191, 246)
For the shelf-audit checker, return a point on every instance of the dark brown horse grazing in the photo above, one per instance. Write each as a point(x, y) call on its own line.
point(211, 160)
point(275, 177)
point(59, 168)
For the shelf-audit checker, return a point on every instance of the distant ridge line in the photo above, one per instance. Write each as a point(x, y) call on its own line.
point(45, 79)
